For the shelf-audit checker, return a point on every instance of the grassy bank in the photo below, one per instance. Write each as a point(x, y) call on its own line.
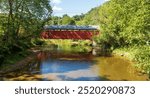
point(12, 61)
point(139, 54)
point(65, 45)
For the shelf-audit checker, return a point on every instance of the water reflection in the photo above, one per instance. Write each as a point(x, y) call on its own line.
point(80, 75)
point(63, 66)
point(74, 67)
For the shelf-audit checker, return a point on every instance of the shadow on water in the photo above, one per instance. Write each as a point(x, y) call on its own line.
point(66, 66)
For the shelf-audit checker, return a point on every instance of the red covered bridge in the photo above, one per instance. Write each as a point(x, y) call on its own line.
point(69, 32)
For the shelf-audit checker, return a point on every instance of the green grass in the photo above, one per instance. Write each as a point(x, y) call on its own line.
point(69, 45)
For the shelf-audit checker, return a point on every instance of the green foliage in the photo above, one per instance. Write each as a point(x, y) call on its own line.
point(90, 18)
point(69, 45)
point(66, 20)
point(78, 17)
point(142, 56)
point(125, 22)
point(24, 18)
point(20, 21)
point(37, 42)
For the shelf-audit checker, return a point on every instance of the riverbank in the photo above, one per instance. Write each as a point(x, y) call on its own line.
point(132, 54)
point(138, 54)
point(19, 60)
point(59, 65)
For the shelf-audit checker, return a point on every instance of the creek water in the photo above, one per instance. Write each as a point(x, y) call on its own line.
point(69, 66)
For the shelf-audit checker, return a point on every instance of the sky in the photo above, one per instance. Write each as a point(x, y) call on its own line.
point(74, 7)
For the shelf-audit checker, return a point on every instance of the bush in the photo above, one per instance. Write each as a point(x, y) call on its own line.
point(38, 42)
point(142, 56)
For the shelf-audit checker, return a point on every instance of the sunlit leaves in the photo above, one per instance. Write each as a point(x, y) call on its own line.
point(66, 20)
point(127, 20)
point(20, 21)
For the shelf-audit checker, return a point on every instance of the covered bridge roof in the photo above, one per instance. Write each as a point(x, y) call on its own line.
point(70, 27)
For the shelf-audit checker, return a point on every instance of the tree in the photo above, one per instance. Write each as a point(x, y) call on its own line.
point(78, 17)
point(123, 23)
point(55, 20)
point(24, 17)
point(90, 18)
point(66, 20)
point(20, 21)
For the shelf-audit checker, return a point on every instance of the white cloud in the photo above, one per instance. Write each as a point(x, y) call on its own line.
point(56, 1)
point(56, 8)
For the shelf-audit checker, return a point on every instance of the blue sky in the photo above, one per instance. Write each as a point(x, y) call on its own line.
point(73, 7)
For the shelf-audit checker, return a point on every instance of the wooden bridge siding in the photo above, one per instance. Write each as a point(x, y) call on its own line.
point(83, 35)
